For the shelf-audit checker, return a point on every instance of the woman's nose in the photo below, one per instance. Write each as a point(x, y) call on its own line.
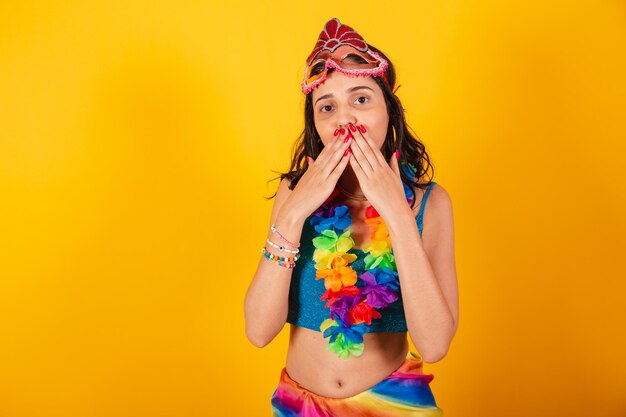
point(345, 118)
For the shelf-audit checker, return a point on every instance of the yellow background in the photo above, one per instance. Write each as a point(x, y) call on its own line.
point(136, 139)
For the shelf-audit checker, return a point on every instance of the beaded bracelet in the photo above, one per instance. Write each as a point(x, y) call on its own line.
point(280, 258)
point(281, 261)
point(282, 248)
point(283, 238)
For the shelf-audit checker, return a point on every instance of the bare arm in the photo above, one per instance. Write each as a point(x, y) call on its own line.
point(266, 301)
point(427, 272)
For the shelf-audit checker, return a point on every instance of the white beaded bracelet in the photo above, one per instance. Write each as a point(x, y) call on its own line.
point(281, 248)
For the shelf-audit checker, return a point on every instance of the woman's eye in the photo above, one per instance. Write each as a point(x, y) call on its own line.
point(322, 109)
point(362, 99)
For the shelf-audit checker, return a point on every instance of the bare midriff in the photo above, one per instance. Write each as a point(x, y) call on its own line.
point(321, 371)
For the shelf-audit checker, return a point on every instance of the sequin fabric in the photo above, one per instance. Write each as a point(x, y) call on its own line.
point(342, 291)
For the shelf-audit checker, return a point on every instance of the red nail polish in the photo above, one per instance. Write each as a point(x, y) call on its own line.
point(347, 139)
point(352, 127)
point(336, 132)
point(347, 152)
point(349, 136)
point(396, 153)
point(342, 131)
point(363, 129)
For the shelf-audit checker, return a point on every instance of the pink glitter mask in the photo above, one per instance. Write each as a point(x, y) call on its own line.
point(342, 48)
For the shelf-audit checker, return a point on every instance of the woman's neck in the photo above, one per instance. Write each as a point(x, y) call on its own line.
point(350, 190)
point(349, 182)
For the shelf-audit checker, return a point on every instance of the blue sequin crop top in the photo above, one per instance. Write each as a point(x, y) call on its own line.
point(305, 307)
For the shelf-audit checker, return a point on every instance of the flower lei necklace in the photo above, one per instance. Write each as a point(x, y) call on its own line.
point(353, 301)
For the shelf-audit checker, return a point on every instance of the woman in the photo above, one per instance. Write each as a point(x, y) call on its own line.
point(328, 267)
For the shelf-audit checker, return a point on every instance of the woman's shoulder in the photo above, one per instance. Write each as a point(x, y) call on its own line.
point(438, 197)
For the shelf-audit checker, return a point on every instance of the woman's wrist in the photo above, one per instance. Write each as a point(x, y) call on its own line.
point(292, 214)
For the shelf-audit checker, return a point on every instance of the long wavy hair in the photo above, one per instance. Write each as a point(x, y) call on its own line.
point(399, 136)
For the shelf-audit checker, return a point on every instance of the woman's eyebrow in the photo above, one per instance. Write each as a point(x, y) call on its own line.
point(349, 90)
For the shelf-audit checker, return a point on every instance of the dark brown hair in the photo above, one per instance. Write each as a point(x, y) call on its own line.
point(399, 136)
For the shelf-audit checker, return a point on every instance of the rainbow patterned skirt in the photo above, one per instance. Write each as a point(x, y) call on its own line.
point(406, 392)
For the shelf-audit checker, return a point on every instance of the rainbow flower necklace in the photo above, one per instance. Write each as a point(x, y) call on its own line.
point(353, 301)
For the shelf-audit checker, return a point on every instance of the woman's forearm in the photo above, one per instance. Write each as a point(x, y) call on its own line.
point(428, 316)
point(266, 302)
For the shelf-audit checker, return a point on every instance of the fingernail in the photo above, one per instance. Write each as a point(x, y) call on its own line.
point(347, 152)
point(336, 132)
point(343, 131)
point(352, 127)
point(349, 136)
point(363, 129)
point(396, 153)
point(347, 139)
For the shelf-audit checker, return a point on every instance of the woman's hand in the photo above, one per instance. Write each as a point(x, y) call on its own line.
point(380, 181)
point(321, 177)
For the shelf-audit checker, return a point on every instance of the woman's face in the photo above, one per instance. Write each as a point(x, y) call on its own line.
point(342, 99)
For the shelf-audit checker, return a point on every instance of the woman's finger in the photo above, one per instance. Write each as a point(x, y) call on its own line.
point(341, 166)
point(369, 147)
point(395, 165)
point(359, 155)
point(358, 171)
point(335, 158)
point(329, 150)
